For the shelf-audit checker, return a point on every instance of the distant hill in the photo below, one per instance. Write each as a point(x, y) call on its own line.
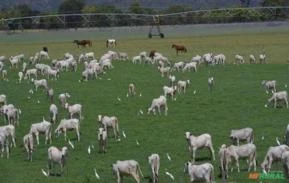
point(52, 5)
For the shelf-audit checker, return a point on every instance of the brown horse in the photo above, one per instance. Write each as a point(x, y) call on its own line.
point(83, 43)
point(180, 48)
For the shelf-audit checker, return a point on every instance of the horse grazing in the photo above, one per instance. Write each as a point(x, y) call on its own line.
point(180, 48)
point(83, 43)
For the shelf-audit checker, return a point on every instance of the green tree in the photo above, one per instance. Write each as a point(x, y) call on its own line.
point(71, 6)
point(89, 9)
point(136, 8)
point(274, 2)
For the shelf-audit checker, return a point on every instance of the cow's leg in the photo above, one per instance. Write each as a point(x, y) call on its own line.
point(37, 138)
point(136, 177)
point(194, 154)
point(212, 152)
point(64, 131)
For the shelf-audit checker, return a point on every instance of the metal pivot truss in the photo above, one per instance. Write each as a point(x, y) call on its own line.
point(156, 23)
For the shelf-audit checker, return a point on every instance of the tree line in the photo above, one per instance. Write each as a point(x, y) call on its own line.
point(121, 19)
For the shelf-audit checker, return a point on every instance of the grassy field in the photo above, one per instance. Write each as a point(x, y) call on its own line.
point(237, 101)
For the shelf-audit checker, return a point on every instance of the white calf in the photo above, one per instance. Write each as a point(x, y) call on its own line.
point(56, 155)
point(279, 96)
point(154, 161)
point(20, 76)
point(107, 122)
point(68, 124)
point(242, 134)
point(42, 127)
point(273, 154)
point(158, 103)
point(128, 168)
point(197, 142)
point(28, 143)
point(200, 172)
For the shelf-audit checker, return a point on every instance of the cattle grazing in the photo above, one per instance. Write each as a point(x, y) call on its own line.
point(269, 85)
point(154, 161)
point(157, 103)
point(238, 135)
point(4, 144)
point(8, 131)
point(279, 96)
point(67, 125)
point(203, 172)
point(285, 162)
point(128, 168)
point(273, 154)
point(197, 142)
point(56, 155)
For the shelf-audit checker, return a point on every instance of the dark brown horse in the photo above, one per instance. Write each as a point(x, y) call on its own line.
point(83, 43)
point(180, 48)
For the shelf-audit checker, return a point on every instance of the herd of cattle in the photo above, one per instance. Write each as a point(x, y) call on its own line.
point(35, 67)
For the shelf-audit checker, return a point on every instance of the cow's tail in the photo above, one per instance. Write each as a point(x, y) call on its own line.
point(139, 170)
point(116, 126)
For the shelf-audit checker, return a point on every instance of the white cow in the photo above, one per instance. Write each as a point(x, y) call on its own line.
point(243, 151)
point(182, 85)
point(56, 155)
point(74, 109)
point(68, 125)
point(157, 103)
point(262, 58)
point(252, 59)
point(242, 134)
point(154, 161)
point(102, 139)
point(53, 110)
point(42, 127)
point(279, 96)
point(239, 59)
point(197, 142)
point(219, 59)
point(178, 66)
point(190, 66)
point(131, 89)
point(269, 85)
point(285, 161)
point(200, 172)
point(128, 168)
point(4, 144)
point(8, 131)
point(3, 99)
point(110, 43)
point(273, 154)
point(28, 143)
point(63, 98)
point(110, 121)
point(170, 91)
point(40, 83)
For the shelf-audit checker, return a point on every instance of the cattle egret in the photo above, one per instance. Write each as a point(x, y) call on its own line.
point(88, 150)
point(38, 102)
point(31, 91)
point(127, 95)
point(108, 79)
point(96, 174)
point(267, 92)
point(195, 91)
point(286, 86)
point(168, 156)
point(137, 143)
point(170, 175)
point(71, 144)
point(118, 99)
point(123, 134)
point(140, 94)
point(44, 173)
point(140, 111)
point(277, 140)
point(263, 138)
point(266, 105)
point(28, 97)
point(79, 81)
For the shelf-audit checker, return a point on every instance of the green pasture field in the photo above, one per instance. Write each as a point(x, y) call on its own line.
point(237, 101)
